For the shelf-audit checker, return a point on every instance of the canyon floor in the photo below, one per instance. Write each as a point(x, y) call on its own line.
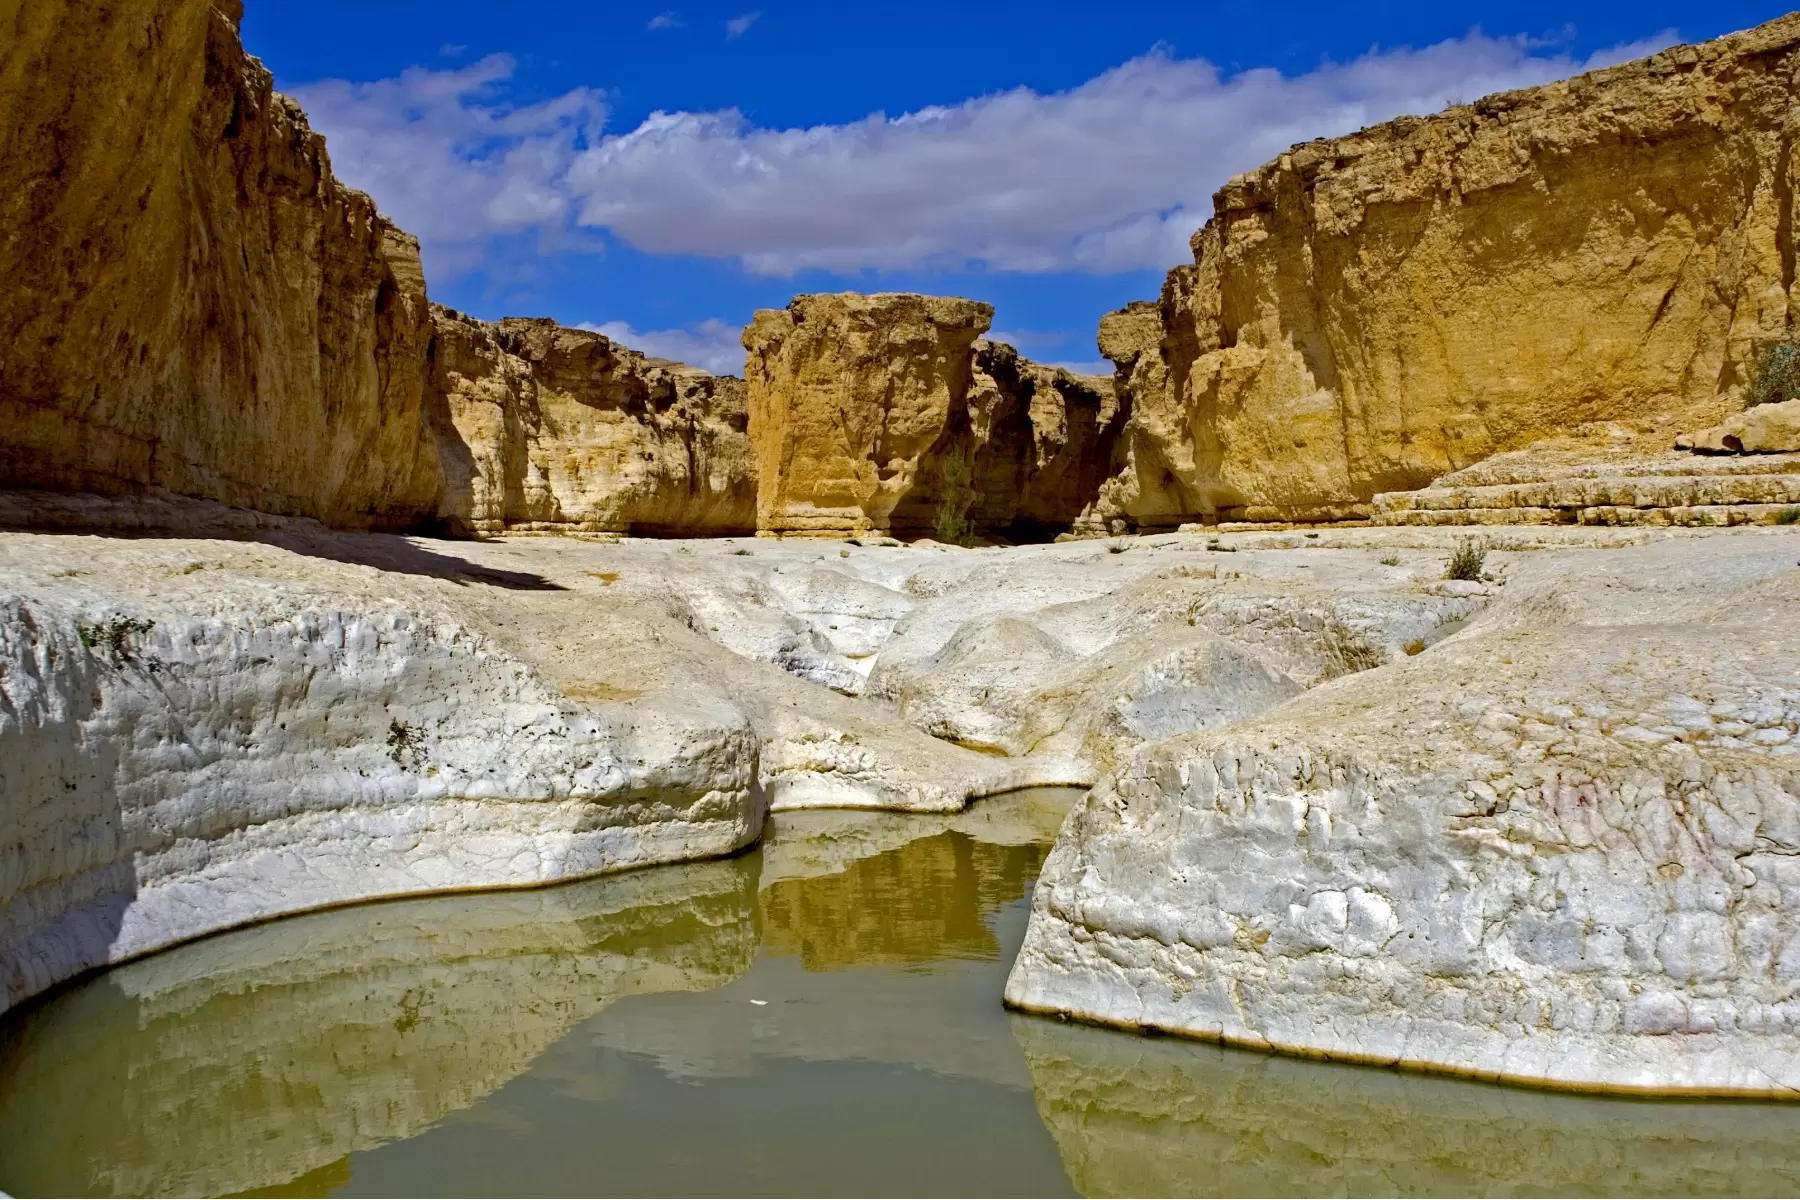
point(1535, 825)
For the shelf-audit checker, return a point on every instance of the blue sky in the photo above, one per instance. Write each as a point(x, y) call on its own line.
point(662, 170)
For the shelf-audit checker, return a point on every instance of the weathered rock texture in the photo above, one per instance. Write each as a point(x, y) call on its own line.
point(1556, 848)
point(1544, 485)
point(1367, 313)
point(192, 302)
point(1764, 429)
point(892, 413)
point(561, 428)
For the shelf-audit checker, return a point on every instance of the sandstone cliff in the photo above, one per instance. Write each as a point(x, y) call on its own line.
point(1369, 312)
point(560, 428)
point(891, 413)
point(193, 303)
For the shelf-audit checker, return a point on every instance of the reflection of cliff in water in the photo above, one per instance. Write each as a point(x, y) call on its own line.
point(246, 1060)
point(931, 900)
point(1163, 1117)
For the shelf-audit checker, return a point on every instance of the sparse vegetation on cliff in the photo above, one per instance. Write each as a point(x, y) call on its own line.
point(1467, 560)
point(1776, 376)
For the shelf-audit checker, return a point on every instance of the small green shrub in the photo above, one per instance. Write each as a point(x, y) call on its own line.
point(1117, 546)
point(1788, 516)
point(113, 637)
point(1467, 560)
point(950, 521)
point(1776, 376)
point(1390, 560)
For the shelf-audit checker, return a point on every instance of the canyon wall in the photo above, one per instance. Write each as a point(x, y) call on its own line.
point(193, 302)
point(891, 413)
point(1366, 313)
point(563, 429)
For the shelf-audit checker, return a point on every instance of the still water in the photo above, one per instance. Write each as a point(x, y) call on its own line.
point(819, 1016)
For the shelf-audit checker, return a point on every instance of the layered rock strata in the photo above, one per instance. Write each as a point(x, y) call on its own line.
point(1543, 487)
point(1367, 313)
point(563, 429)
point(1555, 848)
point(193, 302)
point(891, 413)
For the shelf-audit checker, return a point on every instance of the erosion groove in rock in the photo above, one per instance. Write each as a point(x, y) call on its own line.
point(1369, 312)
point(563, 429)
point(1555, 848)
point(891, 413)
point(193, 301)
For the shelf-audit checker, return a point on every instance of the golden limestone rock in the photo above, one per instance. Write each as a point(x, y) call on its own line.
point(192, 301)
point(891, 413)
point(1764, 429)
point(1368, 313)
point(563, 429)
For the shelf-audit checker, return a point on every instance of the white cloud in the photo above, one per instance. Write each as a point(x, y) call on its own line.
point(665, 20)
point(1097, 367)
point(1112, 175)
point(710, 344)
point(449, 159)
point(738, 26)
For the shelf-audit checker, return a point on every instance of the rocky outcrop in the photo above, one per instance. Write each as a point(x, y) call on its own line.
point(1370, 312)
point(563, 429)
point(1545, 485)
point(1764, 429)
point(1556, 848)
point(193, 302)
point(891, 413)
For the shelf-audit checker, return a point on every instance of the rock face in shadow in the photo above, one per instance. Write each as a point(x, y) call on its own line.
point(1367, 313)
point(193, 302)
point(1556, 848)
point(890, 413)
point(563, 429)
point(1152, 1117)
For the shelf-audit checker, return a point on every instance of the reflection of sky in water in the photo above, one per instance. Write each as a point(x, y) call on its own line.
point(602, 1038)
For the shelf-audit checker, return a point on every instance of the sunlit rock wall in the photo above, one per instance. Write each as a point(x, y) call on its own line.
point(192, 301)
point(1366, 313)
point(558, 428)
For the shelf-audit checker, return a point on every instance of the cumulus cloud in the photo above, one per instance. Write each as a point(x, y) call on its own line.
point(710, 344)
point(665, 20)
point(451, 160)
point(1112, 175)
point(739, 26)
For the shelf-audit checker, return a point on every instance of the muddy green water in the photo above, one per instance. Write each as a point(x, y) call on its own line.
point(820, 1016)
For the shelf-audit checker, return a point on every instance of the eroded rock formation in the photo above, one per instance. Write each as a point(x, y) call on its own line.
point(562, 428)
point(1367, 313)
point(193, 303)
point(891, 413)
point(1556, 848)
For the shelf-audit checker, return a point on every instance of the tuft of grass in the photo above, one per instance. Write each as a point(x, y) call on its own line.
point(741, 551)
point(1776, 376)
point(113, 637)
point(1788, 516)
point(1389, 560)
point(1467, 560)
point(1347, 651)
point(405, 743)
point(1117, 546)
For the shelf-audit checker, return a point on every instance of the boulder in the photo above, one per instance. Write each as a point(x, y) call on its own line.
point(1765, 429)
point(1555, 848)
